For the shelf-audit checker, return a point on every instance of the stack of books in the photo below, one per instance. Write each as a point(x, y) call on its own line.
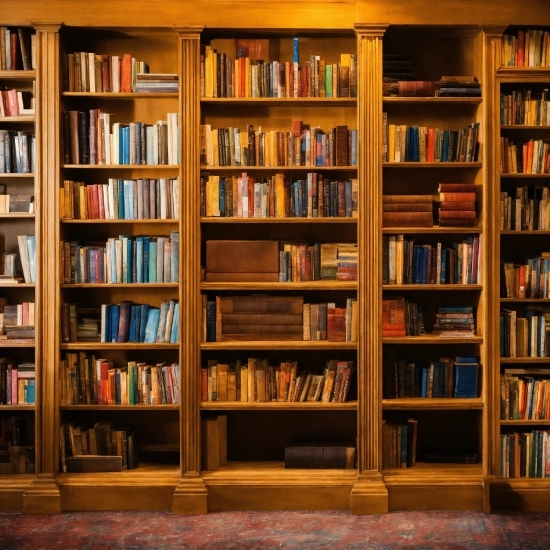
point(457, 204)
point(395, 68)
point(156, 83)
point(407, 210)
point(454, 321)
point(458, 86)
point(399, 444)
point(320, 455)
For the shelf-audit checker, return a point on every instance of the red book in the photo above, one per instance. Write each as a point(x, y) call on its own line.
point(453, 222)
point(457, 205)
point(126, 74)
point(105, 74)
point(204, 384)
point(336, 324)
point(457, 187)
point(14, 48)
point(457, 214)
point(430, 145)
point(457, 197)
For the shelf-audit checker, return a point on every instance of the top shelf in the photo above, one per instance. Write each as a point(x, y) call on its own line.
point(283, 100)
point(18, 75)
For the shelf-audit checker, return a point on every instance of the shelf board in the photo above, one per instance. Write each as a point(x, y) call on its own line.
point(121, 95)
point(122, 166)
point(103, 222)
point(17, 175)
point(18, 75)
point(425, 403)
point(513, 360)
point(17, 343)
point(431, 164)
point(279, 168)
point(430, 287)
point(119, 407)
point(428, 472)
point(120, 285)
point(17, 407)
point(432, 339)
point(301, 285)
point(526, 300)
point(433, 230)
point(432, 99)
point(272, 405)
point(524, 175)
point(524, 127)
point(545, 422)
point(116, 345)
point(525, 232)
point(16, 285)
point(17, 216)
point(16, 119)
point(279, 345)
point(281, 100)
point(524, 71)
point(280, 220)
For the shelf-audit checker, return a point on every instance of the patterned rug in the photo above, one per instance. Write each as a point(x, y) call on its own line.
point(265, 530)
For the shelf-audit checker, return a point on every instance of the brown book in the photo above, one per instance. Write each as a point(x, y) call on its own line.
point(457, 205)
point(74, 140)
point(235, 277)
point(451, 222)
point(210, 444)
point(223, 370)
point(242, 256)
point(336, 324)
point(243, 319)
point(457, 188)
point(93, 463)
point(342, 146)
point(386, 199)
point(448, 214)
point(413, 219)
point(407, 207)
point(259, 304)
point(454, 196)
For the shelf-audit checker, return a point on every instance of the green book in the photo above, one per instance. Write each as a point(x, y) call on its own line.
point(152, 260)
point(328, 80)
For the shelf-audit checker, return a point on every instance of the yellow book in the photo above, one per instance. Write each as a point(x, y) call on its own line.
point(244, 383)
point(247, 86)
point(208, 73)
point(391, 142)
point(279, 196)
point(345, 60)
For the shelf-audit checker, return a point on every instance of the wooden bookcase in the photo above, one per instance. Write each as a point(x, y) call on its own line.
point(516, 243)
point(173, 476)
point(21, 181)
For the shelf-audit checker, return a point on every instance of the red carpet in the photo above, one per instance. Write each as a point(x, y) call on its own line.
point(239, 530)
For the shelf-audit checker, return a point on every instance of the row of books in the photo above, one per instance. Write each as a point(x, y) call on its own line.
point(17, 382)
point(27, 254)
point(528, 279)
point(244, 76)
point(16, 103)
point(91, 72)
point(91, 380)
point(402, 143)
point(256, 380)
point(525, 454)
point(401, 317)
point(141, 259)
point(525, 394)
point(399, 442)
point(407, 210)
point(10, 204)
point(302, 146)
point(447, 86)
point(103, 439)
point(17, 152)
point(278, 196)
point(405, 262)
point(454, 321)
point(325, 321)
point(526, 48)
point(17, 49)
point(524, 336)
point(321, 455)
point(525, 107)
point(525, 209)
point(124, 322)
point(447, 377)
point(139, 199)
point(89, 138)
point(532, 157)
point(17, 321)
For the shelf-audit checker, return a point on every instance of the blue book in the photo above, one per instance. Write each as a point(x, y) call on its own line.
point(121, 213)
point(465, 380)
point(125, 145)
point(445, 146)
point(91, 260)
point(105, 322)
point(415, 147)
point(174, 334)
point(425, 258)
point(456, 309)
point(151, 328)
point(115, 313)
point(417, 269)
point(295, 50)
point(221, 196)
point(139, 260)
point(348, 195)
point(210, 321)
point(466, 359)
point(30, 391)
point(424, 385)
point(443, 265)
point(146, 245)
point(319, 161)
point(133, 322)
point(153, 260)
point(144, 314)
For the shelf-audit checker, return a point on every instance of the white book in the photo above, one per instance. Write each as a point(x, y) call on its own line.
point(160, 259)
point(156, 140)
point(162, 198)
point(169, 320)
point(115, 144)
point(106, 206)
point(175, 198)
point(108, 261)
point(149, 143)
point(91, 71)
point(105, 121)
point(118, 259)
point(111, 199)
point(115, 73)
point(24, 256)
point(237, 141)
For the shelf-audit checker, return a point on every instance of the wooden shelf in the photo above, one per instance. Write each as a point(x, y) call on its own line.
point(113, 346)
point(432, 165)
point(432, 339)
point(545, 422)
point(140, 167)
point(269, 406)
point(18, 75)
point(121, 285)
point(435, 230)
point(26, 175)
point(16, 408)
point(289, 220)
point(434, 99)
point(299, 285)
point(521, 175)
point(525, 300)
point(534, 360)
point(430, 287)
point(284, 345)
point(529, 127)
point(148, 408)
point(286, 101)
point(172, 221)
point(433, 471)
point(278, 168)
point(17, 216)
point(425, 403)
point(121, 95)
point(17, 119)
point(17, 343)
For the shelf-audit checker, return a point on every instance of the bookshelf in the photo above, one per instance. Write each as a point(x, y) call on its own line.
point(517, 476)
point(20, 181)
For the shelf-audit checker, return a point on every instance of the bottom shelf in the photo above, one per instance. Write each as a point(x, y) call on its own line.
point(270, 486)
point(12, 488)
point(521, 494)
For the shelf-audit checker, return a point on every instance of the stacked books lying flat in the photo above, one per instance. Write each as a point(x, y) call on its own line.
point(525, 107)
point(156, 83)
point(257, 318)
point(139, 199)
point(124, 322)
point(454, 321)
point(10, 204)
point(399, 444)
point(525, 454)
point(407, 210)
point(525, 394)
point(17, 152)
point(395, 68)
point(447, 377)
point(525, 208)
point(532, 157)
point(458, 86)
point(257, 380)
point(320, 455)
point(401, 318)
point(457, 204)
point(143, 259)
point(525, 336)
point(279, 196)
point(528, 278)
point(104, 447)
point(405, 262)
point(17, 455)
point(17, 321)
point(91, 380)
point(17, 382)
